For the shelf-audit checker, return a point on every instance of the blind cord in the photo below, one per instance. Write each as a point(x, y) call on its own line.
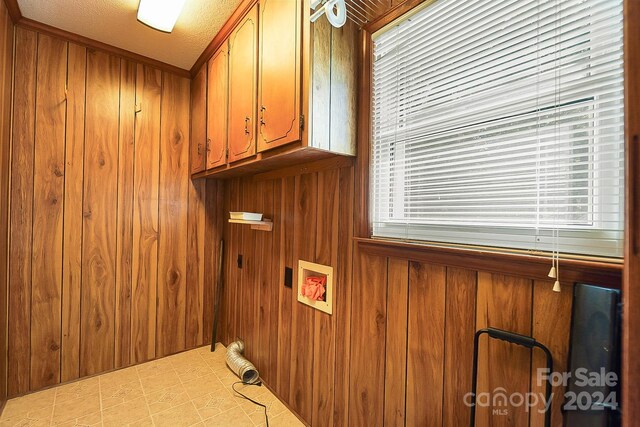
point(233, 386)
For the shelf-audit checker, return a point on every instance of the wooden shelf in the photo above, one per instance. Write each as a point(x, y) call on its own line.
point(264, 225)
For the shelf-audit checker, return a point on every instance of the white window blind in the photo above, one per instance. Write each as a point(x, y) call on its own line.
point(496, 122)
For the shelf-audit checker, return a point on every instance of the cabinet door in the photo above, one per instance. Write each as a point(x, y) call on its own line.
point(243, 94)
point(217, 103)
point(279, 73)
point(198, 120)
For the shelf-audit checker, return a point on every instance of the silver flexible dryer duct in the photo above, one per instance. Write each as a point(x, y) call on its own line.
point(241, 366)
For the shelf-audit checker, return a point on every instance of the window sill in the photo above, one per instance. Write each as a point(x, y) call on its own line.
point(608, 274)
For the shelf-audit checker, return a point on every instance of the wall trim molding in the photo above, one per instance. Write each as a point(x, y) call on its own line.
point(39, 27)
point(14, 10)
point(527, 266)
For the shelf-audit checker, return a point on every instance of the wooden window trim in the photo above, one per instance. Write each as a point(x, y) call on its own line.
point(607, 274)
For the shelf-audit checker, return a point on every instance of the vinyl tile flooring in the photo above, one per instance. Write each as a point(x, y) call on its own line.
point(187, 389)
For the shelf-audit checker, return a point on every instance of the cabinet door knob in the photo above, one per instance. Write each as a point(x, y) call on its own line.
point(246, 125)
point(208, 145)
point(262, 110)
point(199, 149)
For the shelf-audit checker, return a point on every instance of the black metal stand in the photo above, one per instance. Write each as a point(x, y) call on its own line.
point(513, 338)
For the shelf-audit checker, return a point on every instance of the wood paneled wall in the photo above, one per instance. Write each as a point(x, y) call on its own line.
point(107, 230)
point(398, 348)
point(412, 342)
point(6, 70)
point(300, 352)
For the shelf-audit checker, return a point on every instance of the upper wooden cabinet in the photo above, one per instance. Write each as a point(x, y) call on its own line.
point(279, 73)
point(217, 101)
point(198, 120)
point(290, 94)
point(243, 81)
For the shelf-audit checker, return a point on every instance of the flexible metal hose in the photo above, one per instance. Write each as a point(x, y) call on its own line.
point(241, 366)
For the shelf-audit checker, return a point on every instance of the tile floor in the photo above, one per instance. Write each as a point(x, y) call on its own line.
point(186, 389)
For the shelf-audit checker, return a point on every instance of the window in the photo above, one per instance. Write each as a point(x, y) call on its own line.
point(498, 122)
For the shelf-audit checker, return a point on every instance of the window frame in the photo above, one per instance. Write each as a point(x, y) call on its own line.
point(363, 227)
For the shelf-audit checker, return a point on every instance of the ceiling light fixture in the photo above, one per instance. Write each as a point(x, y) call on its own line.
point(160, 14)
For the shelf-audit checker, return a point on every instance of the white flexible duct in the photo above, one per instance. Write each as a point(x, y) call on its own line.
point(241, 366)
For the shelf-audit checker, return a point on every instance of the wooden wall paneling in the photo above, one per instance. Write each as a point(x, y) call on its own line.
point(195, 264)
point(362, 226)
point(267, 257)
point(551, 327)
point(173, 215)
point(395, 378)
point(286, 295)
point(235, 276)
point(275, 283)
point(100, 214)
point(460, 326)
point(368, 341)
point(425, 350)
point(248, 273)
point(20, 221)
point(503, 302)
point(6, 79)
point(326, 253)
point(342, 310)
point(72, 227)
point(145, 220)
point(214, 226)
point(302, 316)
point(48, 201)
point(124, 234)
point(228, 301)
point(232, 231)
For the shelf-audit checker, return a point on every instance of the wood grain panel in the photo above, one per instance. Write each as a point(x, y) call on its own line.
point(124, 241)
point(286, 295)
point(6, 78)
point(366, 396)
point(173, 215)
point(48, 201)
point(459, 332)
point(21, 212)
point(342, 311)
point(425, 350)
point(214, 200)
point(99, 211)
point(302, 316)
point(274, 284)
point(326, 253)
point(265, 314)
point(503, 302)
point(72, 228)
point(198, 121)
point(195, 264)
point(551, 327)
point(396, 358)
point(145, 217)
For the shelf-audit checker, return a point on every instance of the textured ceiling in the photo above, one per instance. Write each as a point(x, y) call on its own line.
point(114, 22)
